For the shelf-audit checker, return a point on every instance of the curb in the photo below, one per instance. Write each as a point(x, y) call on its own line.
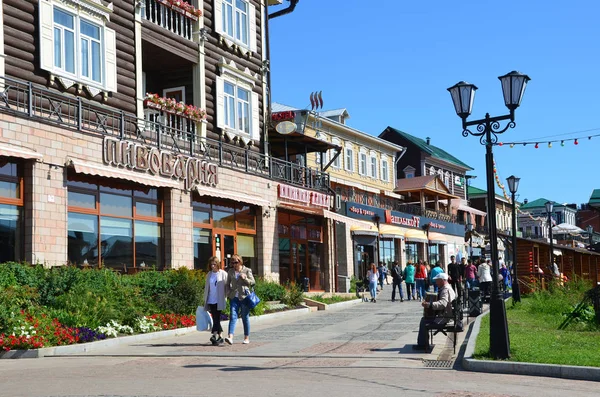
point(517, 368)
point(102, 344)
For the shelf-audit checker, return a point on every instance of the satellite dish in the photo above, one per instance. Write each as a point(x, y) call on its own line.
point(285, 127)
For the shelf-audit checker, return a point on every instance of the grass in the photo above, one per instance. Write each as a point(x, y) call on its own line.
point(534, 335)
point(332, 299)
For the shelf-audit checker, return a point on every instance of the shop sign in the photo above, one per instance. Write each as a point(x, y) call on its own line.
point(412, 221)
point(305, 197)
point(361, 211)
point(435, 225)
point(136, 156)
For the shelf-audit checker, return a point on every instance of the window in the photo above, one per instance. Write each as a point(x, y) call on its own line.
point(237, 108)
point(373, 166)
point(11, 211)
point(349, 161)
point(236, 21)
point(362, 168)
point(332, 153)
point(385, 171)
point(76, 46)
point(117, 225)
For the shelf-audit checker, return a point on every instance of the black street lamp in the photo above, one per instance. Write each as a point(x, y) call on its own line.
point(488, 128)
point(470, 230)
point(549, 208)
point(590, 230)
point(513, 186)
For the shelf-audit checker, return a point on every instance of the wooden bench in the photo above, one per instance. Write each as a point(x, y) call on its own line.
point(448, 324)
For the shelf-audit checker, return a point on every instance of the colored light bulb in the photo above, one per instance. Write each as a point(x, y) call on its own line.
point(562, 143)
point(576, 142)
point(512, 145)
point(549, 144)
point(537, 145)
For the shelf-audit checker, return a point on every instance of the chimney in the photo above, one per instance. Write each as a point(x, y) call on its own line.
point(428, 139)
point(525, 201)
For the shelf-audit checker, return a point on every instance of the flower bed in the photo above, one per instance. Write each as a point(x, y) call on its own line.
point(169, 105)
point(183, 8)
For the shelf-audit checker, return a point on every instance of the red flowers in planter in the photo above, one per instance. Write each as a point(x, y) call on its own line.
point(182, 7)
point(172, 106)
point(172, 321)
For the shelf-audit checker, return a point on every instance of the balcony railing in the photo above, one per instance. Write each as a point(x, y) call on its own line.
point(169, 124)
point(176, 20)
point(38, 103)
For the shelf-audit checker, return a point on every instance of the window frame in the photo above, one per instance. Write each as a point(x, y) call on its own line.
point(240, 82)
point(385, 170)
point(233, 37)
point(373, 166)
point(17, 202)
point(362, 163)
point(349, 155)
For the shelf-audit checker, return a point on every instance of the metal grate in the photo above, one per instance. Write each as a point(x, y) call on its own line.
point(438, 363)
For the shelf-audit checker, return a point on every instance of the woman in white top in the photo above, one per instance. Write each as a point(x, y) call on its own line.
point(214, 297)
point(485, 277)
point(373, 276)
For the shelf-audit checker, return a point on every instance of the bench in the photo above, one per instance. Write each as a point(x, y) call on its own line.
point(448, 324)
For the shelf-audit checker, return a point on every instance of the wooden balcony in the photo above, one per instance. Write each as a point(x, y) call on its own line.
point(168, 15)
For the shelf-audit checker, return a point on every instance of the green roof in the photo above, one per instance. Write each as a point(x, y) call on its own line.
point(539, 203)
point(595, 197)
point(434, 151)
point(473, 191)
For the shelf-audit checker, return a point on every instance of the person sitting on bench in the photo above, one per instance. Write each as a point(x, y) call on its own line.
point(442, 309)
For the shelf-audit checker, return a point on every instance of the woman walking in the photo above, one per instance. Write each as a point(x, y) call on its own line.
point(214, 297)
point(485, 278)
point(373, 277)
point(239, 281)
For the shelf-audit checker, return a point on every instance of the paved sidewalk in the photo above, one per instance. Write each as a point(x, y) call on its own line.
point(383, 332)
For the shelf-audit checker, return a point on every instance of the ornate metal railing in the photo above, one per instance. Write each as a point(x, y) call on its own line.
point(174, 19)
point(41, 104)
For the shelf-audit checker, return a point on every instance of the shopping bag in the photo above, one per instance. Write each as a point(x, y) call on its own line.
point(252, 300)
point(204, 320)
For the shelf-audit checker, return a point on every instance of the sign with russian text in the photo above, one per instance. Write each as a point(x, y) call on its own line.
point(133, 155)
point(413, 221)
point(305, 197)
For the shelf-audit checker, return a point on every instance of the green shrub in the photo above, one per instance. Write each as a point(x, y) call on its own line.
point(186, 294)
point(13, 299)
point(353, 281)
point(293, 295)
point(152, 283)
point(269, 290)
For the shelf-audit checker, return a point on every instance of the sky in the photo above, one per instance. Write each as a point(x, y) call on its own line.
point(390, 64)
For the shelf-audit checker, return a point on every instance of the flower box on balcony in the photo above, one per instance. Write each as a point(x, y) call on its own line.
point(183, 8)
point(169, 105)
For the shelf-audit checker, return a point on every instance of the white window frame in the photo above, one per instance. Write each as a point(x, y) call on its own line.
point(362, 162)
point(94, 13)
point(373, 165)
point(385, 169)
point(349, 158)
point(337, 163)
point(232, 36)
point(239, 81)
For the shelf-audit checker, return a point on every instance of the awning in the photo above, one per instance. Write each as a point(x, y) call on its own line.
point(390, 231)
point(392, 194)
point(83, 167)
point(230, 195)
point(346, 219)
point(471, 210)
point(22, 153)
point(557, 252)
point(368, 230)
point(437, 238)
point(415, 236)
point(300, 208)
point(355, 184)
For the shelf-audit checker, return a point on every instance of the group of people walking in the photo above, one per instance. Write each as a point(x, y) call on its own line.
point(235, 285)
point(419, 276)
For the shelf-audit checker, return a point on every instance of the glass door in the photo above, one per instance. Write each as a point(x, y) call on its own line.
point(224, 248)
point(299, 268)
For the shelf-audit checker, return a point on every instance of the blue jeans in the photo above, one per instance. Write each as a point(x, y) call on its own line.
point(235, 305)
point(373, 289)
point(421, 288)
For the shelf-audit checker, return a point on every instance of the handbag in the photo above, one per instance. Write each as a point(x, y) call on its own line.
point(251, 300)
point(204, 321)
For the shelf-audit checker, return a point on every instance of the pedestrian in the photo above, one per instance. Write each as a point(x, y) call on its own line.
point(437, 269)
point(397, 281)
point(455, 276)
point(505, 277)
point(442, 309)
point(485, 277)
point(381, 272)
point(214, 297)
point(420, 279)
point(470, 275)
point(239, 281)
point(373, 277)
point(409, 279)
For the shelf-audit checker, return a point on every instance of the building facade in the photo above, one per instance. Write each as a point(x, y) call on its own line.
point(133, 135)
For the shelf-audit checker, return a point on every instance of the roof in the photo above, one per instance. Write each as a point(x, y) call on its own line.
point(432, 150)
point(335, 113)
point(595, 198)
point(430, 183)
point(475, 191)
point(279, 107)
point(541, 202)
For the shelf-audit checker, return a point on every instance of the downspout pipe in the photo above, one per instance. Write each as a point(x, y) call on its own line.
point(286, 10)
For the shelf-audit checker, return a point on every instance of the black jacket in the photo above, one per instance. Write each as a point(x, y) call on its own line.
point(397, 273)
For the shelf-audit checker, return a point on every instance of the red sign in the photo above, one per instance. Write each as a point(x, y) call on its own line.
point(304, 196)
point(282, 116)
point(399, 220)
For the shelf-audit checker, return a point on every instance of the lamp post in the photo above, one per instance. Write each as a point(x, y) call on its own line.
point(470, 230)
point(513, 186)
point(590, 230)
point(549, 208)
point(487, 129)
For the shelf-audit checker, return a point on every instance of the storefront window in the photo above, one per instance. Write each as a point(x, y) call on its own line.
point(245, 249)
point(387, 251)
point(434, 254)
point(11, 211)
point(202, 248)
point(114, 225)
point(412, 252)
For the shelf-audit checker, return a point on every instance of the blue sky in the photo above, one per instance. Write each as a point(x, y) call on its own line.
point(393, 66)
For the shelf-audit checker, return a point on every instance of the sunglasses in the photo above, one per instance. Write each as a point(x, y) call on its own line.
point(235, 262)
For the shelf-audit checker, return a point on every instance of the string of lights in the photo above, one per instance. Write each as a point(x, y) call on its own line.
point(548, 142)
